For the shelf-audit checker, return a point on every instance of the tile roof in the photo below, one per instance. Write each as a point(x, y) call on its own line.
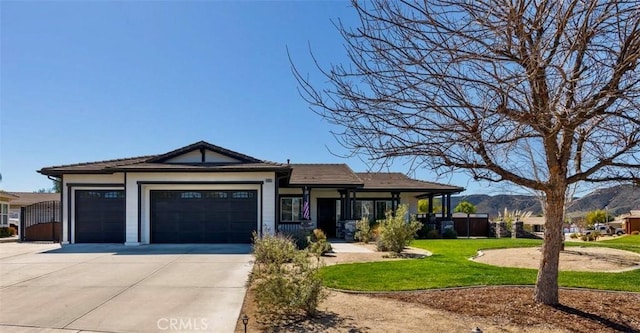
point(7, 196)
point(323, 175)
point(340, 175)
point(29, 198)
point(400, 181)
point(315, 175)
point(92, 167)
point(153, 163)
point(145, 166)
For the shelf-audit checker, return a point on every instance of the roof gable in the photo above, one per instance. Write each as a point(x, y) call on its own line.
point(198, 157)
point(203, 152)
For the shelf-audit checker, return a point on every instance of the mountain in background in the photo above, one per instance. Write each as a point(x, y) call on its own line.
point(618, 200)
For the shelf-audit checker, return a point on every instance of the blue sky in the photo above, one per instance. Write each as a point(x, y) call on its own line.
point(89, 81)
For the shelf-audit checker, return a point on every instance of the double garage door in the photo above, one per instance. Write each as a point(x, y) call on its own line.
point(203, 216)
point(177, 216)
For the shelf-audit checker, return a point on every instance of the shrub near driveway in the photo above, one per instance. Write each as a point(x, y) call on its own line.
point(285, 282)
point(449, 266)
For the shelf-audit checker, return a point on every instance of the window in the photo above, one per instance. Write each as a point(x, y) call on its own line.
point(372, 209)
point(114, 195)
point(291, 209)
point(191, 195)
point(4, 214)
point(216, 195)
point(363, 208)
point(242, 195)
point(381, 208)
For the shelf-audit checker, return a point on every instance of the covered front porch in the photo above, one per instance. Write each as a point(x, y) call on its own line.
point(306, 204)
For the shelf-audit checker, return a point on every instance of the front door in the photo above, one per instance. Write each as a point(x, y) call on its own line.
point(327, 216)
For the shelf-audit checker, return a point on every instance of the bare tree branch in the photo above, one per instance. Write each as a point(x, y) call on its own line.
point(543, 94)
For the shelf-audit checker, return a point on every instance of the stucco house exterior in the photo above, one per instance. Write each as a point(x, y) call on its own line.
point(5, 198)
point(203, 193)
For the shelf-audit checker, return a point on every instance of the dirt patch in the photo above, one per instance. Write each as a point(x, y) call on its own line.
point(575, 258)
point(493, 309)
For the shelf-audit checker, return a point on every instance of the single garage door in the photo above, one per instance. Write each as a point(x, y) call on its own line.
point(203, 216)
point(100, 216)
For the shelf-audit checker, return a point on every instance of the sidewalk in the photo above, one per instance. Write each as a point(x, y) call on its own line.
point(340, 247)
point(9, 239)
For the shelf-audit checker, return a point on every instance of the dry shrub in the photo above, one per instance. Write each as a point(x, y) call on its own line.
point(285, 282)
point(318, 244)
point(273, 249)
point(363, 230)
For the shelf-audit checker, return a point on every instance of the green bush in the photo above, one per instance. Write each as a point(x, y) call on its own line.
point(363, 230)
point(574, 236)
point(318, 243)
point(433, 234)
point(381, 246)
point(423, 233)
point(285, 282)
point(395, 232)
point(450, 233)
point(299, 238)
point(7, 232)
point(273, 249)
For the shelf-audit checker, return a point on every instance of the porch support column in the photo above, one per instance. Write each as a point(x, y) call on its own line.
point(395, 201)
point(347, 205)
point(430, 209)
point(444, 207)
point(343, 205)
point(352, 203)
point(449, 214)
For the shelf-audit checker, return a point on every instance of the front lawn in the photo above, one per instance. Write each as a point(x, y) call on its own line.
point(449, 266)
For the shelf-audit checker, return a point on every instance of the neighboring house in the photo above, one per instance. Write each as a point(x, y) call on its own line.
point(5, 198)
point(632, 222)
point(24, 199)
point(536, 223)
point(203, 193)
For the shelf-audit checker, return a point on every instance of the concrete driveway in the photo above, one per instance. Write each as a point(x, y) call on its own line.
point(113, 288)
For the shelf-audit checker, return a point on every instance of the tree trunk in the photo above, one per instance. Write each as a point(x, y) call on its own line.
point(546, 290)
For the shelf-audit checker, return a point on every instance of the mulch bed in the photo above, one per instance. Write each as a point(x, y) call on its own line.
point(580, 310)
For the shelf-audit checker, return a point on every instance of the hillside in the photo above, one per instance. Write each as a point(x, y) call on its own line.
point(619, 200)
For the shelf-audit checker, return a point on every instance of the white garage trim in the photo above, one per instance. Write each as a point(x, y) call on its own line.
point(144, 199)
point(69, 223)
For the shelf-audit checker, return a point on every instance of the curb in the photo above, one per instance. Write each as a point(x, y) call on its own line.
point(13, 239)
point(357, 292)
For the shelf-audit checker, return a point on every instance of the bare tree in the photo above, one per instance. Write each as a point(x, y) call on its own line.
point(541, 94)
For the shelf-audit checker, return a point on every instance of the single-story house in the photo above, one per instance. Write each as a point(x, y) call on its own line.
point(536, 223)
point(24, 199)
point(5, 198)
point(202, 193)
point(632, 222)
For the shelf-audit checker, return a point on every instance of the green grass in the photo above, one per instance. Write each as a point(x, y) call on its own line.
point(449, 266)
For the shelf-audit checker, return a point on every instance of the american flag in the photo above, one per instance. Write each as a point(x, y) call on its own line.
point(306, 213)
